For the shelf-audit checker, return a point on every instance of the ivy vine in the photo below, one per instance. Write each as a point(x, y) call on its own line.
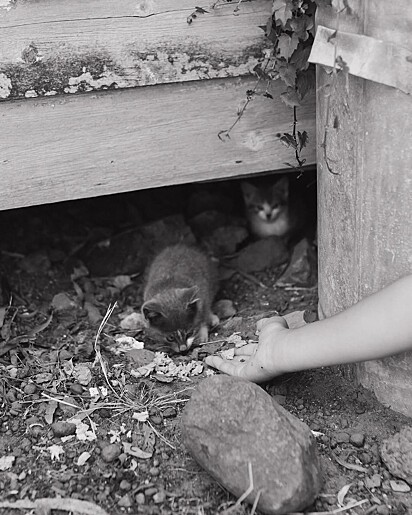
point(291, 32)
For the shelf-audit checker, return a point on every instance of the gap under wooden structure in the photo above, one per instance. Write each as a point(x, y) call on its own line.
point(104, 97)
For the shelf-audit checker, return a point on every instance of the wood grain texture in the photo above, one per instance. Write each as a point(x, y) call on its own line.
point(365, 233)
point(72, 46)
point(78, 146)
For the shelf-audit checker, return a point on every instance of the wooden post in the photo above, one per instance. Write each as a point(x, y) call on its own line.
point(365, 179)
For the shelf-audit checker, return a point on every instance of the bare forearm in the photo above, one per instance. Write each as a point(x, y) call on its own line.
point(378, 326)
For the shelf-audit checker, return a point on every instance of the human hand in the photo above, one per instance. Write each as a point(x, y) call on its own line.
point(256, 362)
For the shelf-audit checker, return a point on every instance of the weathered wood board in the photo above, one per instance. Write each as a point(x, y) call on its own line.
point(365, 200)
point(49, 47)
point(76, 146)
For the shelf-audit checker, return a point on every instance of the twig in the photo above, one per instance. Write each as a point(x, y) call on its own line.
point(251, 278)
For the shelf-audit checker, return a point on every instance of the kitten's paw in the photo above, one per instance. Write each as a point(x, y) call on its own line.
point(213, 320)
point(203, 334)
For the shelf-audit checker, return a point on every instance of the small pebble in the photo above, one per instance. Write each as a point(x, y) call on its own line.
point(169, 412)
point(341, 437)
point(150, 491)
point(374, 481)
point(400, 486)
point(154, 471)
point(382, 510)
point(111, 452)
point(63, 429)
point(140, 498)
point(159, 497)
point(125, 485)
point(76, 388)
point(157, 420)
point(30, 388)
point(65, 355)
point(125, 501)
point(344, 423)
point(357, 439)
point(366, 458)
point(224, 308)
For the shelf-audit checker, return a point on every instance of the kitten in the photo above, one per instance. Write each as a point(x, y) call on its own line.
point(180, 285)
point(269, 208)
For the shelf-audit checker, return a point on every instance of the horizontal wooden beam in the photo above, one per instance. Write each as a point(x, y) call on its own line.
point(77, 146)
point(53, 47)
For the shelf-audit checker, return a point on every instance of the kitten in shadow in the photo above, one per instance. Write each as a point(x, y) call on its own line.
point(181, 283)
point(273, 209)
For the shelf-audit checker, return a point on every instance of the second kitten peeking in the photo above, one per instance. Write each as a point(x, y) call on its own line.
point(269, 209)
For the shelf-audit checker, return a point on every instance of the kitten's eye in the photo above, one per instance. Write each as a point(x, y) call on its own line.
point(170, 338)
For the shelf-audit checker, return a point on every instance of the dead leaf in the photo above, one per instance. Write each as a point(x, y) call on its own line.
point(342, 493)
point(6, 462)
point(40, 327)
point(46, 505)
point(50, 410)
point(135, 451)
point(350, 466)
point(84, 456)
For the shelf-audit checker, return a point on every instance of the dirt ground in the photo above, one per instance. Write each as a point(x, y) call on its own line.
point(126, 455)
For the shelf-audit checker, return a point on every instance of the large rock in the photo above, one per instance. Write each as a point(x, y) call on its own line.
point(229, 423)
point(262, 254)
point(396, 453)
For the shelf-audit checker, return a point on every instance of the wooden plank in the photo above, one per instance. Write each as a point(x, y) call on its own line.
point(365, 234)
point(78, 146)
point(70, 46)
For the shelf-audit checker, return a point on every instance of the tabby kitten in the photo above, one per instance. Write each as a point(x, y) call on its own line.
point(269, 209)
point(180, 285)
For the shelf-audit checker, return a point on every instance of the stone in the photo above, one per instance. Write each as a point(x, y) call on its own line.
point(266, 253)
point(110, 452)
point(140, 357)
point(140, 498)
point(357, 439)
point(229, 423)
point(125, 485)
point(30, 389)
point(125, 501)
point(341, 437)
point(63, 429)
point(374, 481)
point(224, 308)
point(62, 302)
point(396, 453)
point(400, 486)
point(302, 269)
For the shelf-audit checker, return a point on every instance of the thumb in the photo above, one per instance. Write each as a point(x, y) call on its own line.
point(272, 320)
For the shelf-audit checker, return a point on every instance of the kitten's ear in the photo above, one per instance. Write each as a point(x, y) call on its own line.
point(282, 185)
point(248, 190)
point(152, 311)
point(193, 298)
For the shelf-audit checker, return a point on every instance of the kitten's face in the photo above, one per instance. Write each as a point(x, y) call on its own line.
point(266, 202)
point(173, 318)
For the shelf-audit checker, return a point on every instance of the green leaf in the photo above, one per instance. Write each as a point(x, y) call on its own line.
point(287, 45)
point(300, 57)
point(290, 98)
point(288, 74)
point(303, 139)
point(305, 81)
point(288, 140)
point(302, 26)
point(281, 10)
